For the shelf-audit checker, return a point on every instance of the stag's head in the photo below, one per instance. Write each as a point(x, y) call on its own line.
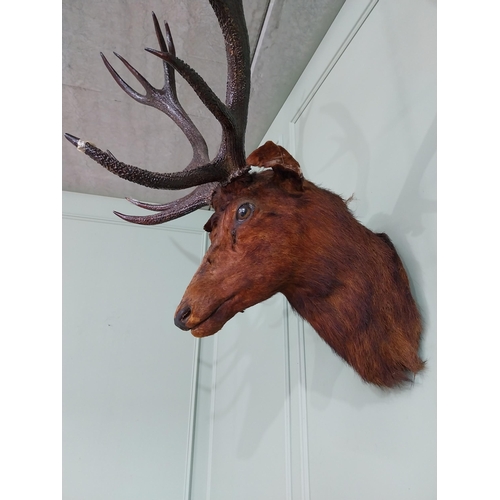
point(254, 241)
point(346, 281)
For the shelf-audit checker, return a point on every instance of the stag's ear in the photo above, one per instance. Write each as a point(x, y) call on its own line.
point(271, 155)
point(211, 223)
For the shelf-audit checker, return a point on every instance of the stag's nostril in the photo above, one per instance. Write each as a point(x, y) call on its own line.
point(181, 318)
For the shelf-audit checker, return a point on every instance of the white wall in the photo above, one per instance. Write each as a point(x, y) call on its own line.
point(149, 411)
point(271, 411)
point(367, 126)
point(288, 419)
point(128, 373)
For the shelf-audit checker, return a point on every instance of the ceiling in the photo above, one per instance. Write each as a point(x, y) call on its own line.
point(283, 36)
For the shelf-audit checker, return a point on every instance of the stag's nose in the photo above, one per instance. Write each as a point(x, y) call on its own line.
point(181, 317)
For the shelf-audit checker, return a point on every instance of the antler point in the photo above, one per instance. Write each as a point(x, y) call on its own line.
point(79, 144)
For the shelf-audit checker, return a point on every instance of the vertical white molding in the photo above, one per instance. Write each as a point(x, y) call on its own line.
point(288, 402)
point(192, 418)
point(291, 138)
point(188, 483)
point(304, 441)
point(335, 59)
point(212, 417)
point(262, 34)
point(302, 388)
point(213, 386)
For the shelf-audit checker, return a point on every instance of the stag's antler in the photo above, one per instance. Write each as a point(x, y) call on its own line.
point(229, 162)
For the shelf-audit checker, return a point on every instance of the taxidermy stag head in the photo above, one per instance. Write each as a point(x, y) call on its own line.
point(272, 231)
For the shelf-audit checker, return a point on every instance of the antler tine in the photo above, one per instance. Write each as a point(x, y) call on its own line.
point(212, 172)
point(204, 92)
point(233, 114)
point(200, 149)
point(165, 99)
point(165, 45)
point(198, 198)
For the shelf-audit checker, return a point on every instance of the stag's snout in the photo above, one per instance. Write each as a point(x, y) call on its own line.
point(182, 317)
point(203, 315)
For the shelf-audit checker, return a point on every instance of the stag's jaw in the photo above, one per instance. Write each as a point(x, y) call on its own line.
point(210, 323)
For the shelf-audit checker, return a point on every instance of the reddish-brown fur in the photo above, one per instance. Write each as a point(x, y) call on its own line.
point(303, 242)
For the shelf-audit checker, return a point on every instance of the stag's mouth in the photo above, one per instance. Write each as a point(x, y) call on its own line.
point(215, 320)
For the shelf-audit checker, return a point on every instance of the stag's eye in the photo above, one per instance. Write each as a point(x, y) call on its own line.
point(244, 211)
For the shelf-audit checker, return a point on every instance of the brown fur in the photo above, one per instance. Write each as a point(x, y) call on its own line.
point(303, 241)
